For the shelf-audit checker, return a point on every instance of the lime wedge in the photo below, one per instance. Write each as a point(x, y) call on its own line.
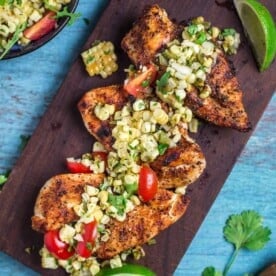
point(259, 26)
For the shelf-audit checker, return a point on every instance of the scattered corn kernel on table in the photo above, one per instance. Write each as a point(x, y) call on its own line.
point(29, 83)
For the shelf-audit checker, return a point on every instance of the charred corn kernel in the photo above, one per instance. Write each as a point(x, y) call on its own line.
point(100, 59)
point(205, 93)
point(103, 112)
point(160, 116)
point(193, 125)
point(181, 190)
point(103, 197)
point(97, 146)
point(139, 105)
point(215, 32)
point(66, 233)
point(91, 191)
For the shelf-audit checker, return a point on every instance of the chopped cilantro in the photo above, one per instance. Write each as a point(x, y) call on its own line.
point(201, 38)
point(228, 31)
point(162, 148)
point(118, 201)
point(162, 82)
point(131, 188)
point(145, 83)
point(192, 29)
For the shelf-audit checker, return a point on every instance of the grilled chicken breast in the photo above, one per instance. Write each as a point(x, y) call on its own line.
point(179, 166)
point(143, 223)
point(149, 34)
point(224, 107)
point(101, 130)
point(55, 201)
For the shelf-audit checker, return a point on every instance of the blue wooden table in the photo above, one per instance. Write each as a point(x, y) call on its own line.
point(29, 83)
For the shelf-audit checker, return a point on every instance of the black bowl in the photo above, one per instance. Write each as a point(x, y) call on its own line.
point(21, 50)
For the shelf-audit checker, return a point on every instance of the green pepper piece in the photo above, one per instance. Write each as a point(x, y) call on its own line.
point(127, 270)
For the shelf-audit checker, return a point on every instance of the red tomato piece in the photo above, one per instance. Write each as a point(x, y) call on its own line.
point(139, 83)
point(41, 27)
point(57, 247)
point(84, 248)
point(148, 183)
point(76, 167)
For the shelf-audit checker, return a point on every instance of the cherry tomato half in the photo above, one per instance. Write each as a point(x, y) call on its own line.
point(139, 83)
point(148, 183)
point(41, 27)
point(76, 167)
point(57, 247)
point(84, 248)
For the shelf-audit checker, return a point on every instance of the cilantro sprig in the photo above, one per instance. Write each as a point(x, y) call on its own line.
point(65, 13)
point(244, 231)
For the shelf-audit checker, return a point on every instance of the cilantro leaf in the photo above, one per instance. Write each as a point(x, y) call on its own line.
point(162, 148)
point(162, 82)
point(246, 231)
point(228, 31)
point(65, 13)
point(192, 29)
point(118, 201)
point(211, 271)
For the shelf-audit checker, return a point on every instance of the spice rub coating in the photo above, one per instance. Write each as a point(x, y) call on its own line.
point(101, 130)
point(150, 33)
point(181, 165)
point(55, 201)
point(224, 107)
point(143, 223)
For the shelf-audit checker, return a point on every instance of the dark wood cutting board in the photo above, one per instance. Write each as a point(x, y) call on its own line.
point(61, 134)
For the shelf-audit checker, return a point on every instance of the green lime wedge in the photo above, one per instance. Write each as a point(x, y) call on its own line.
point(259, 26)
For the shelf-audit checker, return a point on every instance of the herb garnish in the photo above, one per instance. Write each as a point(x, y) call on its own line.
point(4, 178)
point(162, 148)
point(14, 39)
point(118, 201)
point(244, 231)
point(65, 13)
point(228, 31)
point(162, 82)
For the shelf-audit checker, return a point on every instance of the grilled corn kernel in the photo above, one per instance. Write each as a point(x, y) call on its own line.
point(100, 59)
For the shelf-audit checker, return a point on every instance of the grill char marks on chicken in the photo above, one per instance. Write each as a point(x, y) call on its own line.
point(150, 33)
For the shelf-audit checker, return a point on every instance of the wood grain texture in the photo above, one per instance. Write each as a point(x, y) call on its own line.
point(60, 132)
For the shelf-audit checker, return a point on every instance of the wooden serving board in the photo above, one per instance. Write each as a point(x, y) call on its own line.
point(61, 133)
